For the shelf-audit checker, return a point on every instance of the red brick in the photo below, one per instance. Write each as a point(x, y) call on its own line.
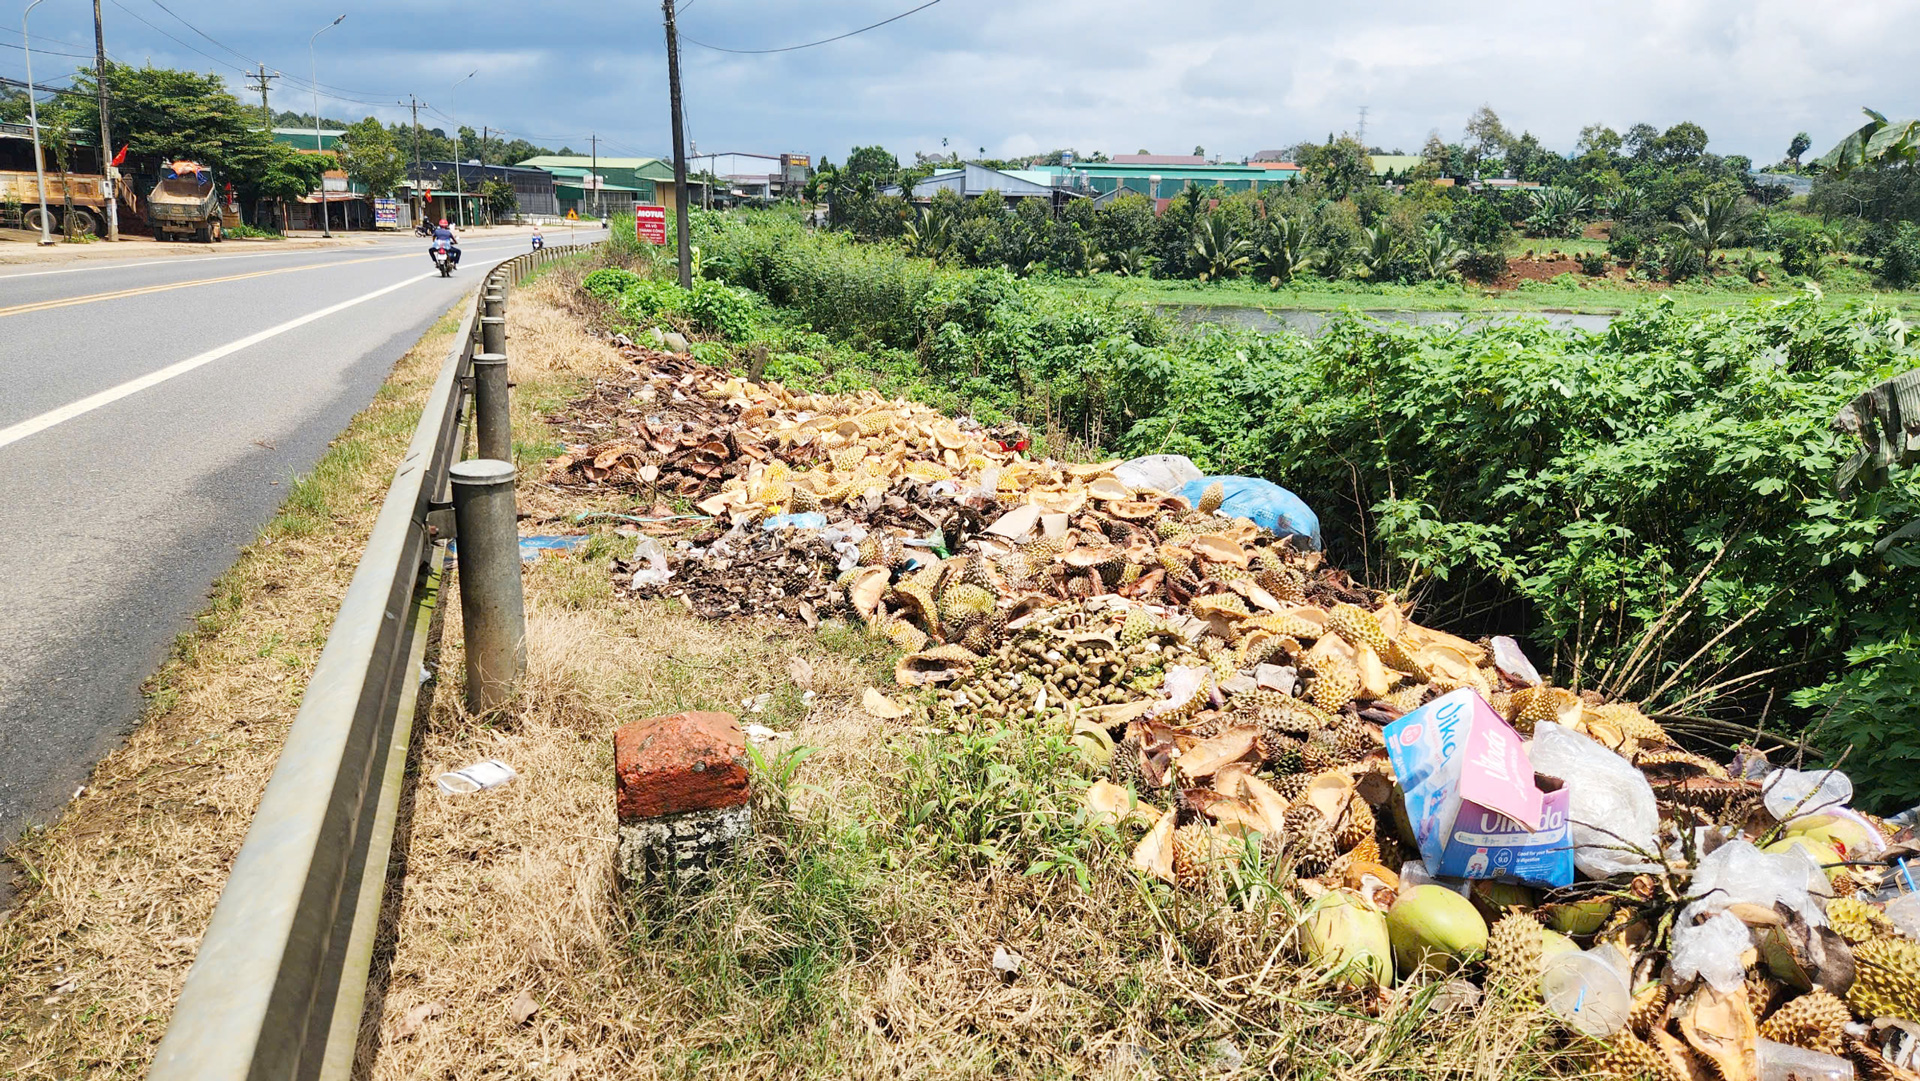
point(683, 762)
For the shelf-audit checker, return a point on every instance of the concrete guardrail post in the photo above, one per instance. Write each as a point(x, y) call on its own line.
point(492, 604)
point(492, 406)
point(493, 333)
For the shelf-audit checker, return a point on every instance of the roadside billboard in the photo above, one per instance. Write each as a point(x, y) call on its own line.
point(650, 222)
point(386, 214)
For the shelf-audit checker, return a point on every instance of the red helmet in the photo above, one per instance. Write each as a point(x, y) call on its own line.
point(443, 221)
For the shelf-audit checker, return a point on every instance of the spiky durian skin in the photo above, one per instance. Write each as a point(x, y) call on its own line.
point(1856, 920)
point(965, 603)
point(1334, 685)
point(1649, 1010)
point(1211, 497)
point(1358, 824)
point(1816, 1021)
point(1312, 842)
point(905, 636)
point(1886, 979)
point(1630, 1058)
point(1137, 627)
point(1192, 855)
point(1513, 956)
point(1124, 767)
point(1357, 625)
point(1281, 752)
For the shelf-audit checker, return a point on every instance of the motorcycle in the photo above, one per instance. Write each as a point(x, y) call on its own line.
point(420, 229)
point(442, 258)
point(539, 242)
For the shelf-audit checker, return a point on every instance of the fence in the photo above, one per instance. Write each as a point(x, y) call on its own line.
point(280, 979)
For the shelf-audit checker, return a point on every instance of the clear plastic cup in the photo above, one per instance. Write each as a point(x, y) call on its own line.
point(1784, 1062)
point(1587, 991)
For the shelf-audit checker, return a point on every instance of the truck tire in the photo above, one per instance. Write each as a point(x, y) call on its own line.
point(83, 221)
point(30, 220)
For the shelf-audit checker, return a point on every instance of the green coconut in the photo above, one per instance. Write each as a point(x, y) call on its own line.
point(1577, 917)
point(1346, 939)
point(1432, 926)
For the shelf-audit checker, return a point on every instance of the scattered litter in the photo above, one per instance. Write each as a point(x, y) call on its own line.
point(760, 733)
point(1006, 962)
point(522, 1008)
point(649, 564)
point(491, 773)
point(758, 703)
point(412, 1021)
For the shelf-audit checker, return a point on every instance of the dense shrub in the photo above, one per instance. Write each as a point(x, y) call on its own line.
point(1593, 263)
point(1900, 256)
point(1484, 266)
point(1559, 485)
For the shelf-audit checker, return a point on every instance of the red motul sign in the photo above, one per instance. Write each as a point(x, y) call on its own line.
point(651, 223)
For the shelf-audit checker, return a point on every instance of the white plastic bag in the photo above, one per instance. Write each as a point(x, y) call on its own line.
point(1610, 809)
point(1711, 950)
point(1739, 873)
point(653, 564)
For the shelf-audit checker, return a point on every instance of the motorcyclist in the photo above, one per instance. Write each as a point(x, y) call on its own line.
point(538, 242)
point(442, 233)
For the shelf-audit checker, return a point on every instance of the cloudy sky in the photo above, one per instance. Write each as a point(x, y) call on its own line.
point(1020, 76)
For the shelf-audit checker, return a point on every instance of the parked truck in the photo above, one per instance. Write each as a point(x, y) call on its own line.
point(185, 203)
point(76, 200)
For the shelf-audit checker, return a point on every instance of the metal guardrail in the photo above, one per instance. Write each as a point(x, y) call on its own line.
point(279, 982)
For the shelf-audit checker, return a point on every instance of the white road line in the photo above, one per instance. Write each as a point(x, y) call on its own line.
point(196, 260)
point(35, 425)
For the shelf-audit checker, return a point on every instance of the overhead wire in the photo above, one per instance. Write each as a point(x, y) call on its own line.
point(809, 44)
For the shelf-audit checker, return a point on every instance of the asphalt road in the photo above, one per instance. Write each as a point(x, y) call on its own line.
point(153, 417)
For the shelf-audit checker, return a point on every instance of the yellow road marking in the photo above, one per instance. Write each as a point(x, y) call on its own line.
point(68, 302)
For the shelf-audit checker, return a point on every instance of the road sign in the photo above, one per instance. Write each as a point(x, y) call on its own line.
point(650, 222)
point(571, 216)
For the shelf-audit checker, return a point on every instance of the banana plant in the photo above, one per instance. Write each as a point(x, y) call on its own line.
point(1878, 141)
point(1131, 262)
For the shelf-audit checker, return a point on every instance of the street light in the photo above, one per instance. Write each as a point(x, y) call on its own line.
point(33, 119)
point(459, 194)
point(326, 223)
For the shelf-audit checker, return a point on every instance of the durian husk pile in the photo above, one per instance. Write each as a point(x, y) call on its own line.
point(1229, 690)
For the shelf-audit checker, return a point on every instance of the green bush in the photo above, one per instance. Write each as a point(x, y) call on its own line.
point(609, 284)
point(1900, 256)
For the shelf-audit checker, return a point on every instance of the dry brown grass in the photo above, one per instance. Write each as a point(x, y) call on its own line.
point(121, 887)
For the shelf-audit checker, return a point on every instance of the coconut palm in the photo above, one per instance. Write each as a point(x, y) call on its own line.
point(1439, 254)
point(1377, 252)
point(1556, 211)
point(1222, 253)
point(1720, 221)
point(1286, 251)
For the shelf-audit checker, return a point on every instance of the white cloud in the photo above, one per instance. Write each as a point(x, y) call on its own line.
point(1115, 75)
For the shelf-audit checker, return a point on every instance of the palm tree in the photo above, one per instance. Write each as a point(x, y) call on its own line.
point(1222, 253)
point(1377, 252)
point(1439, 253)
point(1720, 221)
point(1126, 263)
point(1286, 251)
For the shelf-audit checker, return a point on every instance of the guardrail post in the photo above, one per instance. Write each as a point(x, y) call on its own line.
point(492, 605)
point(493, 331)
point(492, 406)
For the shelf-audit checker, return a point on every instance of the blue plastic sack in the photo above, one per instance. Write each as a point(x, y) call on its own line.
point(1271, 507)
point(811, 519)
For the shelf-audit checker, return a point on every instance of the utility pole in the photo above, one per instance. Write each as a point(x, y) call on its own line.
point(679, 149)
point(260, 81)
point(419, 205)
point(1361, 135)
point(106, 131)
point(593, 175)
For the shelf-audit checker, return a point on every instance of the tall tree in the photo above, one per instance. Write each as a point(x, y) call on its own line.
point(370, 156)
point(1683, 143)
point(1641, 141)
point(1800, 144)
point(1487, 137)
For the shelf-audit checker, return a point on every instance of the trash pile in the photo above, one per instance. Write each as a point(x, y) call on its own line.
point(1439, 806)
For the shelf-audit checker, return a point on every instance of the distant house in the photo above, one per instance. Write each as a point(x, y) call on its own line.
point(1158, 159)
point(303, 139)
point(1108, 180)
point(586, 185)
point(534, 190)
point(1395, 165)
point(972, 181)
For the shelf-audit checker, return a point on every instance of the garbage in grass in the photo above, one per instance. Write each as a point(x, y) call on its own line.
point(478, 777)
point(533, 549)
point(1240, 707)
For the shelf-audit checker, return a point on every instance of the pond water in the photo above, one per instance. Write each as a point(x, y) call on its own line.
point(1310, 321)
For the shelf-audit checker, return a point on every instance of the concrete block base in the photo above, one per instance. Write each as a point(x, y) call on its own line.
point(692, 841)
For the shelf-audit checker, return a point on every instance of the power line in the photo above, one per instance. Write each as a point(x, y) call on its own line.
point(46, 52)
point(810, 44)
point(175, 40)
point(204, 34)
